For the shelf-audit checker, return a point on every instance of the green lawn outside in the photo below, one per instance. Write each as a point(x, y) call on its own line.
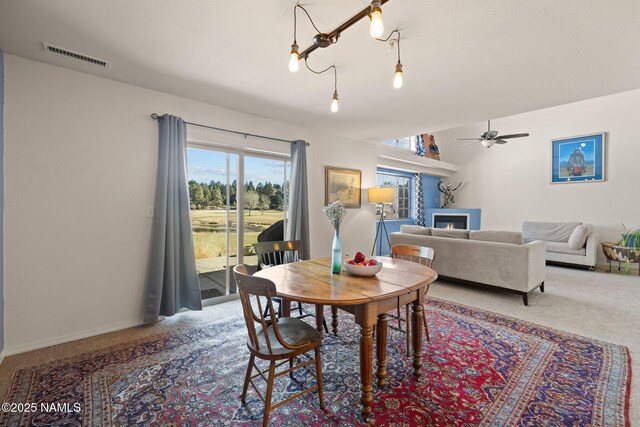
point(209, 233)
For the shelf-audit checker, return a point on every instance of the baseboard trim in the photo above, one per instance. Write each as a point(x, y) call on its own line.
point(67, 338)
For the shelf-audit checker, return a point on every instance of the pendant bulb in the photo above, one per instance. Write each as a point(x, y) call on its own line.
point(376, 27)
point(334, 103)
point(397, 79)
point(294, 59)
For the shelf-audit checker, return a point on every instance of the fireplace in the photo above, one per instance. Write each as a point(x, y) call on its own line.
point(451, 221)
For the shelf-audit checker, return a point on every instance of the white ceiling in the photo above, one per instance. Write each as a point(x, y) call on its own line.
point(464, 60)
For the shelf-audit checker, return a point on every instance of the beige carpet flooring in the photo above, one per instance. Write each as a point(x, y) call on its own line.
point(594, 304)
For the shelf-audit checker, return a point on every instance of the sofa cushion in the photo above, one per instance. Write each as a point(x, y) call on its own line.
point(415, 229)
point(452, 233)
point(579, 236)
point(563, 248)
point(548, 231)
point(514, 237)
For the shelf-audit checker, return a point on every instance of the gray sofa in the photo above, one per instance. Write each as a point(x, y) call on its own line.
point(566, 242)
point(495, 259)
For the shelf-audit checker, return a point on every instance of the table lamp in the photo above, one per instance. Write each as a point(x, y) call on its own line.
point(381, 196)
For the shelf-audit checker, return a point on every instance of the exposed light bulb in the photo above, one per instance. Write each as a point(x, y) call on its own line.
point(376, 28)
point(397, 80)
point(334, 103)
point(294, 59)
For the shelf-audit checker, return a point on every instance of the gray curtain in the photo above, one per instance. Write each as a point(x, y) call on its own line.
point(418, 200)
point(298, 214)
point(173, 280)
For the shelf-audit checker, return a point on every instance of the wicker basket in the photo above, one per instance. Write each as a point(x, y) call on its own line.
point(620, 253)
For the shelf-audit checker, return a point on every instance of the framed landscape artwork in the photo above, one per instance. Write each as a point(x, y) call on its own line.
point(343, 185)
point(578, 159)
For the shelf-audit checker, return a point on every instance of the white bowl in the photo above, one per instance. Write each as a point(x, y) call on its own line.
point(362, 270)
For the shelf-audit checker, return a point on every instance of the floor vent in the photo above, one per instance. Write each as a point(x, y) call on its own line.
point(75, 55)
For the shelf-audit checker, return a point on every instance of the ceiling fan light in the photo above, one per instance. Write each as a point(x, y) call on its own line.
point(376, 27)
point(397, 79)
point(294, 65)
point(334, 103)
point(487, 142)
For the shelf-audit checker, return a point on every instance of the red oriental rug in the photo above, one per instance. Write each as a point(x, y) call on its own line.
point(480, 369)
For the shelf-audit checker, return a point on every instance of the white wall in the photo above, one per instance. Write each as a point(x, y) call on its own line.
point(511, 183)
point(80, 156)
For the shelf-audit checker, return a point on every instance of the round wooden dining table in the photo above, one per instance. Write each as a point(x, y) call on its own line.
point(369, 299)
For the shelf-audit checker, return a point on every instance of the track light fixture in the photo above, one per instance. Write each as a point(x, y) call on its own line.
point(376, 28)
point(324, 40)
point(294, 59)
point(397, 79)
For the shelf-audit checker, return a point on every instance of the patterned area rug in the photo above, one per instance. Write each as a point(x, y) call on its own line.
point(480, 369)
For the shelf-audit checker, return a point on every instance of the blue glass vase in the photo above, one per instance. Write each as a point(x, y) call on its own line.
point(336, 254)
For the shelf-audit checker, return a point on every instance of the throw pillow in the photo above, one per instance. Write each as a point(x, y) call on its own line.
point(513, 237)
point(451, 233)
point(415, 229)
point(579, 236)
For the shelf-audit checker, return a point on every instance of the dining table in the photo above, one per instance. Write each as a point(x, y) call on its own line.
point(369, 299)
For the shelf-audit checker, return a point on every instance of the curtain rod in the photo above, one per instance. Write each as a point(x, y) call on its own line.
point(155, 116)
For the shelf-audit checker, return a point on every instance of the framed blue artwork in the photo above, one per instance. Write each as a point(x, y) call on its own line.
point(578, 159)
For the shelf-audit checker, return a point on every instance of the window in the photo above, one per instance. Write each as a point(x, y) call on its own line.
point(407, 143)
point(401, 208)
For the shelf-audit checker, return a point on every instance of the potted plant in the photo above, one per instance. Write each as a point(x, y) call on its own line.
point(626, 249)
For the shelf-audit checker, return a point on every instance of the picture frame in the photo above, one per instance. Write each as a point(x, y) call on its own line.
point(344, 185)
point(578, 159)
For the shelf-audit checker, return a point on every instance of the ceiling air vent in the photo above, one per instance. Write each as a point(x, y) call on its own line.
point(75, 55)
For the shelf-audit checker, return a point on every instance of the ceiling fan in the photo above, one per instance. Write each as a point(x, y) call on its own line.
point(491, 137)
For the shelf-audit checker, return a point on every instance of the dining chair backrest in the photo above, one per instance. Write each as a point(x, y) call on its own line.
point(420, 254)
point(249, 286)
point(276, 253)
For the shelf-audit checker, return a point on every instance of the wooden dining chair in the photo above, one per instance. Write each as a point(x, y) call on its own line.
point(422, 255)
point(277, 253)
point(276, 340)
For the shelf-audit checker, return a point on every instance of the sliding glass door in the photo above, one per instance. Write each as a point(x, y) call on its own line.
point(266, 185)
point(236, 199)
point(213, 195)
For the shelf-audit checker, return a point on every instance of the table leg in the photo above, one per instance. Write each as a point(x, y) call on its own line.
point(416, 326)
point(381, 348)
point(366, 365)
point(286, 308)
point(319, 317)
point(334, 319)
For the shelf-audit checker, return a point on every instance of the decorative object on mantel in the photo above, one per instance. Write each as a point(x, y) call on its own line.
point(626, 250)
point(447, 190)
point(336, 212)
point(578, 159)
point(380, 196)
point(433, 152)
point(324, 40)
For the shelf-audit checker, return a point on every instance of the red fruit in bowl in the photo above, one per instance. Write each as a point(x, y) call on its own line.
point(352, 262)
point(359, 257)
point(373, 262)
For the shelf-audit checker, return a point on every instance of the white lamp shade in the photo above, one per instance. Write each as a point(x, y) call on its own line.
point(381, 195)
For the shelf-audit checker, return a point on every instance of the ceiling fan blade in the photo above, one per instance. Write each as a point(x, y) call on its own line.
point(491, 135)
point(468, 139)
point(471, 143)
point(514, 135)
point(501, 141)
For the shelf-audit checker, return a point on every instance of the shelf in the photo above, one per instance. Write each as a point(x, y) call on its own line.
point(398, 158)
